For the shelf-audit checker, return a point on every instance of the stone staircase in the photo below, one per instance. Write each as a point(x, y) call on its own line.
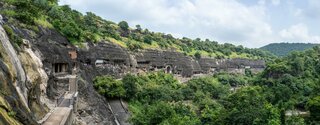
point(64, 112)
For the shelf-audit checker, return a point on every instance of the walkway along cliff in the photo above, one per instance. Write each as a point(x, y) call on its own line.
point(51, 79)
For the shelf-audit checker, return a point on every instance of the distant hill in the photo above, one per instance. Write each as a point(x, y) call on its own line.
point(282, 49)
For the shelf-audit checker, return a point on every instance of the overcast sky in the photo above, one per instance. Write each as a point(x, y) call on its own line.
point(252, 23)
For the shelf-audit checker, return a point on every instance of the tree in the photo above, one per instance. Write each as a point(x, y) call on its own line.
point(123, 25)
point(138, 27)
point(197, 55)
point(147, 39)
point(109, 87)
point(295, 120)
point(130, 85)
point(27, 12)
point(314, 107)
point(248, 106)
point(207, 86)
point(154, 114)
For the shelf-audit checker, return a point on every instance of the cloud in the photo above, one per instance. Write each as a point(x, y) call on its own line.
point(275, 2)
point(311, 11)
point(298, 33)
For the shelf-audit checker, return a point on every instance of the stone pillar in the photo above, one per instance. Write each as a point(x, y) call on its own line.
point(75, 100)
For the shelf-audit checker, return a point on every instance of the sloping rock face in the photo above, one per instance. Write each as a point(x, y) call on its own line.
point(242, 63)
point(104, 59)
point(170, 61)
point(18, 89)
point(46, 62)
point(177, 63)
point(209, 65)
point(54, 51)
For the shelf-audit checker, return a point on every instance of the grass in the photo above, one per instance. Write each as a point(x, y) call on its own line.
point(120, 43)
point(12, 114)
point(9, 13)
point(43, 22)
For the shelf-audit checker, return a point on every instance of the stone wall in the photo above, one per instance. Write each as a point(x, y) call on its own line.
point(114, 60)
point(176, 62)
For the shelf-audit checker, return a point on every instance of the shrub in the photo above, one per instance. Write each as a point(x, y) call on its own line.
point(134, 46)
point(147, 39)
point(12, 114)
point(123, 25)
point(314, 107)
point(130, 85)
point(197, 55)
point(12, 36)
point(8, 30)
point(109, 87)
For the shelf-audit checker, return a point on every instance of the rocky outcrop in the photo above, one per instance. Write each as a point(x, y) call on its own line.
point(17, 91)
point(44, 62)
point(54, 50)
point(35, 74)
point(170, 61)
point(20, 82)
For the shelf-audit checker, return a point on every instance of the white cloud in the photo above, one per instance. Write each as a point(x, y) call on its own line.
point(311, 11)
point(262, 2)
point(275, 2)
point(298, 12)
point(298, 33)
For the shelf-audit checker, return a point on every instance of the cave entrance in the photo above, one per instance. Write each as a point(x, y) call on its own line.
point(60, 67)
point(119, 62)
point(99, 62)
point(168, 69)
point(143, 64)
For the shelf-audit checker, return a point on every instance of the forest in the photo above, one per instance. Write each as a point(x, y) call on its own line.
point(287, 84)
point(80, 28)
point(283, 49)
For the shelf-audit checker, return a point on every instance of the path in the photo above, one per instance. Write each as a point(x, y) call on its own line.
point(58, 116)
point(120, 112)
point(63, 113)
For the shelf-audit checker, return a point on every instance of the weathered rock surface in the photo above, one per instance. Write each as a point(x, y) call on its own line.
point(16, 91)
point(45, 62)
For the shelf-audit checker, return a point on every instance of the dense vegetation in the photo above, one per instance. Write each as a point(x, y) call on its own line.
point(283, 49)
point(79, 28)
point(287, 84)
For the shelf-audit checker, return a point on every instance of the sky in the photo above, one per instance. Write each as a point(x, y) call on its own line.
point(251, 23)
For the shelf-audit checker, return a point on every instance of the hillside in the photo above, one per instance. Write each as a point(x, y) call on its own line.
point(79, 29)
point(282, 49)
point(58, 66)
point(285, 93)
point(45, 38)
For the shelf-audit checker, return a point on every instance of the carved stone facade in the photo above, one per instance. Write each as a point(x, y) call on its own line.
point(109, 59)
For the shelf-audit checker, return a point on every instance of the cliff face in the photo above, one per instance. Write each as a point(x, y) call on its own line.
point(20, 85)
point(32, 78)
point(33, 75)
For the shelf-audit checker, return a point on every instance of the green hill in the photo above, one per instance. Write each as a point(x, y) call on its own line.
point(282, 49)
point(80, 28)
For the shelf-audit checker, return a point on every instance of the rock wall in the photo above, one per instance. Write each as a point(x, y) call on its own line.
point(19, 87)
point(54, 49)
point(36, 60)
point(37, 75)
